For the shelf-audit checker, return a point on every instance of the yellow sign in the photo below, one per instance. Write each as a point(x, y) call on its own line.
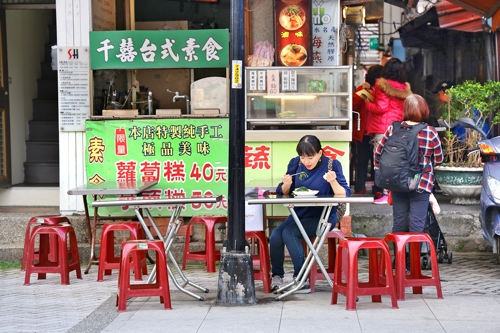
point(236, 80)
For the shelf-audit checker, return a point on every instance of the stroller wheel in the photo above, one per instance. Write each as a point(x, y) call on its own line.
point(424, 263)
point(450, 257)
point(440, 257)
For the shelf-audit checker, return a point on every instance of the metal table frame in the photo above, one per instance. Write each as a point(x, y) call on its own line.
point(321, 232)
point(106, 188)
point(141, 206)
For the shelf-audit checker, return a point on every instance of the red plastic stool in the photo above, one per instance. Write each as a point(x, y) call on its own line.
point(209, 255)
point(159, 288)
point(315, 274)
point(64, 264)
point(350, 286)
point(107, 259)
point(48, 220)
point(415, 279)
point(262, 259)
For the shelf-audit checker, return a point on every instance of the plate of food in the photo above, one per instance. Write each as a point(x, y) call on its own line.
point(304, 192)
point(292, 17)
point(293, 55)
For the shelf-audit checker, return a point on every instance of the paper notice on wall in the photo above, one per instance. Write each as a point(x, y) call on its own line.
point(261, 80)
point(252, 80)
point(273, 82)
point(285, 80)
point(236, 74)
point(74, 87)
point(293, 80)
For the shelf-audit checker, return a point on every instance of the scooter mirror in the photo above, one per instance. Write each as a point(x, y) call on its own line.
point(469, 123)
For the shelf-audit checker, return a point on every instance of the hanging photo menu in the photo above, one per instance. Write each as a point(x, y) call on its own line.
point(293, 32)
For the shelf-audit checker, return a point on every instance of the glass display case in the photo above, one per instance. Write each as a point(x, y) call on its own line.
point(298, 98)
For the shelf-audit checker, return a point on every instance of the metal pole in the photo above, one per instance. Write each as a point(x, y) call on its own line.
point(236, 283)
point(236, 200)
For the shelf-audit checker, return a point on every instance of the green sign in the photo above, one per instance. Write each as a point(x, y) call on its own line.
point(374, 43)
point(136, 49)
point(186, 156)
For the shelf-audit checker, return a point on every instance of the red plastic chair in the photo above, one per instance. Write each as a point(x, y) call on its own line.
point(159, 288)
point(209, 255)
point(107, 259)
point(350, 285)
point(262, 260)
point(44, 219)
point(65, 263)
point(415, 279)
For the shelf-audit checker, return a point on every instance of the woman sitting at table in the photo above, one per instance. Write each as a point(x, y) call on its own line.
point(314, 171)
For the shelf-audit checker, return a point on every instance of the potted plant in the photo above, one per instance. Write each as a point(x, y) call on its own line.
point(460, 175)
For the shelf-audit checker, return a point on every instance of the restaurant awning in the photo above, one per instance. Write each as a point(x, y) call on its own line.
point(454, 17)
point(436, 25)
point(486, 8)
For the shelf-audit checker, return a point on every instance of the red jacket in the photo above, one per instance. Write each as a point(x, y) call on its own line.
point(387, 106)
point(358, 105)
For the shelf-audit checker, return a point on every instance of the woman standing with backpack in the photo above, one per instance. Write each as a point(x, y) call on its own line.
point(389, 94)
point(409, 209)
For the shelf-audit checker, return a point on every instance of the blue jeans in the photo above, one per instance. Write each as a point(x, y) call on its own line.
point(409, 211)
point(287, 233)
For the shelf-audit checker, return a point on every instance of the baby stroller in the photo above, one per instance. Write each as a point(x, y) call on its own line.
point(432, 228)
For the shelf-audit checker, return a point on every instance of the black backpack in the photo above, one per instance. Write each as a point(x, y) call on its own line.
point(399, 168)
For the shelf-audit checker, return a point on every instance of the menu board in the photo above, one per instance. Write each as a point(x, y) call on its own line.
point(74, 87)
point(187, 156)
point(292, 19)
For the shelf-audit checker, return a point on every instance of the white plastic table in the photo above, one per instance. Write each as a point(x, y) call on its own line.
point(327, 202)
point(142, 205)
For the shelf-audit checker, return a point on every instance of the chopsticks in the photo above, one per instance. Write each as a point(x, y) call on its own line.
point(295, 174)
point(250, 180)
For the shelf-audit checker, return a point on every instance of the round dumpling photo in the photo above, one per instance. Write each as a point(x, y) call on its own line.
point(293, 55)
point(292, 17)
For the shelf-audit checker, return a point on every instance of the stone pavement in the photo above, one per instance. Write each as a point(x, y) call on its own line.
point(471, 290)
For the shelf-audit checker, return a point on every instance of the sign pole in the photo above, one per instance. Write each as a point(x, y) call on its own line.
point(236, 283)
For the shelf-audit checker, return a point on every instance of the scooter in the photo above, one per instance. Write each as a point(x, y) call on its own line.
point(490, 193)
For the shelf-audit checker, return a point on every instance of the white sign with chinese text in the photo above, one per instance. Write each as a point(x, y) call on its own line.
point(293, 80)
point(252, 80)
point(273, 82)
point(74, 87)
point(285, 80)
point(261, 81)
point(325, 22)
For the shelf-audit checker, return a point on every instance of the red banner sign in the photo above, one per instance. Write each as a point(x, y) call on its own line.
point(293, 32)
point(120, 142)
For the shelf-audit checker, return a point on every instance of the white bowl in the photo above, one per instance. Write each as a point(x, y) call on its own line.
point(309, 193)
